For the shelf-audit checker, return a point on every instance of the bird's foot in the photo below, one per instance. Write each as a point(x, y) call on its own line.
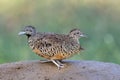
point(58, 64)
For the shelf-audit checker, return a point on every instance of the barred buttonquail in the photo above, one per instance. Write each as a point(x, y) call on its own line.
point(54, 47)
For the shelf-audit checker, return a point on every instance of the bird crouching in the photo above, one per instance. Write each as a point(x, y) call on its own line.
point(52, 46)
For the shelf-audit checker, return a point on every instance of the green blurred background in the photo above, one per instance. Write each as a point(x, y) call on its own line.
point(99, 19)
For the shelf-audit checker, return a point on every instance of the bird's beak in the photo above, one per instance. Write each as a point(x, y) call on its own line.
point(21, 33)
point(83, 35)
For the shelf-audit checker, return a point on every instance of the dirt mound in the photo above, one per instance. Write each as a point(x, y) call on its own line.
point(74, 70)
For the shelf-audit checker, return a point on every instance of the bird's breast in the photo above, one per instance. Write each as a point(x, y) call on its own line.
point(40, 53)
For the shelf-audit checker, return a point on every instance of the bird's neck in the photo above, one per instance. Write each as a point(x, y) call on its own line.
point(28, 35)
point(32, 34)
point(76, 39)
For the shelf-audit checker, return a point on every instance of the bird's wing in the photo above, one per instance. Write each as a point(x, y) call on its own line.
point(49, 43)
point(55, 46)
point(53, 39)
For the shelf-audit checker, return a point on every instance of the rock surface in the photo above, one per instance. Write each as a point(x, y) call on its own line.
point(74, 70)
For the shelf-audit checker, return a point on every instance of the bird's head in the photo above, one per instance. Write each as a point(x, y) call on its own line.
point(76, 33)
point(28, 31)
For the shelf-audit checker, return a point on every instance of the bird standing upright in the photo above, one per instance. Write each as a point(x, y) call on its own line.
point(52, 46)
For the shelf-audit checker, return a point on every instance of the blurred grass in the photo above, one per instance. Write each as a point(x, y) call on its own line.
point(99, 19)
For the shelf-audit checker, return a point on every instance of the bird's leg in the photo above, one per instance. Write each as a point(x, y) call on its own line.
point(60, 61)
point(58, 64)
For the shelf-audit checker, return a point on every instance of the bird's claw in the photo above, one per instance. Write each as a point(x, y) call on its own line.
point(61, 66)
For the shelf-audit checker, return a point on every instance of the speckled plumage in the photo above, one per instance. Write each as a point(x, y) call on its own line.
point(54, 46)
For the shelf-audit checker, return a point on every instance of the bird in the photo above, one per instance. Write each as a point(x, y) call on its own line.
point(53, 47)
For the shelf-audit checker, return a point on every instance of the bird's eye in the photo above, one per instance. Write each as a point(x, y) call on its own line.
point(77, 32)
point(26, 30)
point(30, 30)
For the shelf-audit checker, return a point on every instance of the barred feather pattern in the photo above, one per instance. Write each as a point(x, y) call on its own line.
point(54, 46)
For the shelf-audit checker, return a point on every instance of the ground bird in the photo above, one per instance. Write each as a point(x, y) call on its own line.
point(52, 46)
